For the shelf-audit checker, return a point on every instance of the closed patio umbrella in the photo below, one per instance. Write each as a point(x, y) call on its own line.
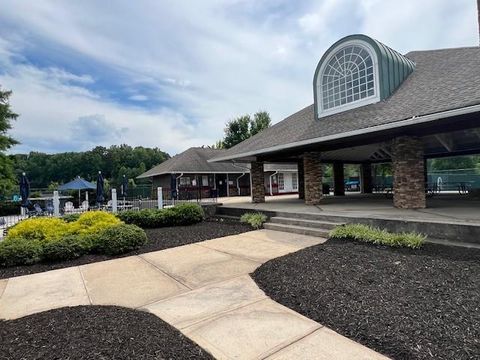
point(24, 190)
point(100, 188)
point(124, 186)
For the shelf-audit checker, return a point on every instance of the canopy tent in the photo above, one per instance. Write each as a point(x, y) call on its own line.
point(78, 184)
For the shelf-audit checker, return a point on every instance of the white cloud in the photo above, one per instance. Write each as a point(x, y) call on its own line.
point(201, 62)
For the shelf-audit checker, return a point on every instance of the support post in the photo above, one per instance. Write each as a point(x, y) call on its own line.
point(56, 204)
point(338, 179)
point(228, 186)
point(313, 178)
point(114, 201)
point(366, 178)
point(301, 179)
point(160, 197)
point(257, 182)
point(408, 173)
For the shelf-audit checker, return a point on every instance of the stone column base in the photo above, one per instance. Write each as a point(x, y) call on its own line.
point(257, 182)
point(313, 178)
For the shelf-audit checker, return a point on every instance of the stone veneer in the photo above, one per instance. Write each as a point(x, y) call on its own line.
point(301, 180)
point(258, 182)
point(313, 177)
point(338, 179)
point(408, 173)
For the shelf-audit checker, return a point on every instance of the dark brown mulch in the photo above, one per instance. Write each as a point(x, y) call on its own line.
point(94, 332)
point(407, 304)
point(159, 239)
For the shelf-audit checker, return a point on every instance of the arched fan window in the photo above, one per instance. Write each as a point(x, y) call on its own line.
point(347, 79)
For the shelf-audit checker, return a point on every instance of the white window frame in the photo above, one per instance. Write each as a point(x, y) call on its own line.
point(354, 104)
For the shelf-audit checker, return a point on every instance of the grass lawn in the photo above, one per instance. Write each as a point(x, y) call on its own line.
point(94, 332)
point(158, 239)
point(406, 304)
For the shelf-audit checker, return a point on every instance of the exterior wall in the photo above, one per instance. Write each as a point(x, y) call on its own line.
point(257, 182)
point(313, 177)
point(408, 173)
point(275, 187)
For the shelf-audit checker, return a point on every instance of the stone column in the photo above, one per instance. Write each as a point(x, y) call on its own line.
point(366, 178)
point(301, 180)
point(257, 182)
point(408, 173)
point(313, 177)
point(338, 179)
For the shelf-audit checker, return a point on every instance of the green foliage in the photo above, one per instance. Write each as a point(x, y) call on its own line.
point(255, 220)
point(377, 236)
point(9, 208)
point(7, 175)
point(66, 248)
point(43, 229)
point(120, 239)
point(114, 162)
point(243, 127)
point(20, 251)
point(182, 214)
point(70, 217)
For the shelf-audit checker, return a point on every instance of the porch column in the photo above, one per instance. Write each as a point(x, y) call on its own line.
point(301, 180)
point(312, 171)
point(366, 178)
point(408, 173)
point(338, 179)
point(257, 182)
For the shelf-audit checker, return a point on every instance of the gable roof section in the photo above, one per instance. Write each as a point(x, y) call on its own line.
point(443, 80)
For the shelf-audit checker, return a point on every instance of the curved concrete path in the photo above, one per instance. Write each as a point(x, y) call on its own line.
point(202, 289)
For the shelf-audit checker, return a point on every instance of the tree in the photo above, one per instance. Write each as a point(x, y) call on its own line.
point(261, 120)
point(7, 175)
point(243, 127)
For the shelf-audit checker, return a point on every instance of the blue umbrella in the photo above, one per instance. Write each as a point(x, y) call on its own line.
point(124, 186)
point(24, 190)
point(78, 184)
point(100, 188)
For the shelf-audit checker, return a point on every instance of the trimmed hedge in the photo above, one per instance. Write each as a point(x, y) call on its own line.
point(120, 239)
point(20, 252)
point(182, 214)
point(377, 236)
point(255, 220)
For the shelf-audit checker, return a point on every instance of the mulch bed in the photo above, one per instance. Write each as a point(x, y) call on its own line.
point(159, 239)
point(94, 332)
point(406, 304)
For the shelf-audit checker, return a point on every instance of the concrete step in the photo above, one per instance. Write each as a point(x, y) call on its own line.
point(319, 224)
point(297, 229)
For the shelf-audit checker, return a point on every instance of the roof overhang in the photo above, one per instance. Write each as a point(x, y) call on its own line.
point(408, 123)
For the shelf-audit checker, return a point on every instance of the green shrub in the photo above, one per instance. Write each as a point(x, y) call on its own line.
point(67, 248)
point(255, 220)
point(120, 239)
point(20, 251)
point(41, 228)
point(9, 208)
point(70, 217)
point(182, 214)
point(377, 236)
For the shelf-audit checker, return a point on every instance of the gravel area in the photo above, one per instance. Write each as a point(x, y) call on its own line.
point(94, 332)
point(406, 304)
point(159, 239)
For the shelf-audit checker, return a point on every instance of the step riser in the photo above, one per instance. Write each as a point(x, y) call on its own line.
point(309, 224)
point(303, 231)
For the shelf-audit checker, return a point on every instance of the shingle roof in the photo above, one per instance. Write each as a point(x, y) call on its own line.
point(443, 80)
point(195, 160)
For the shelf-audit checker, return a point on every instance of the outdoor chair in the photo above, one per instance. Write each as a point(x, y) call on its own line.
point(69, 208)
point(84, 206)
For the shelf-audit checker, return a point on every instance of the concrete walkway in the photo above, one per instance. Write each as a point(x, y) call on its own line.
point(202, 289)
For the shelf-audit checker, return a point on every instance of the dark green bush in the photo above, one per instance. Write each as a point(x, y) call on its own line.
point(20, 251)
point(66, 248)
point(9, 208)
point(71, 217)
point(183, 214)
point(120, 239)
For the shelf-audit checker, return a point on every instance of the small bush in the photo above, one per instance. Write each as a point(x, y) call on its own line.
point(70, 217)
point(182, 214)
point(120, 239)
point(20, 251)
point(67, 248)
point(255, 220)
point(43, 229)
point(377, 236)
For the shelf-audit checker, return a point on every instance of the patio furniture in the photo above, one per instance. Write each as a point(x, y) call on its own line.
point(84, 206)
point(69, 208)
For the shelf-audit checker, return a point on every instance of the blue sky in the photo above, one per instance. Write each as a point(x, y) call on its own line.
point(169, 74)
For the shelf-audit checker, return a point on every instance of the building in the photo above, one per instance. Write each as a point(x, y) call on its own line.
point(190, 175)
point(372, 105)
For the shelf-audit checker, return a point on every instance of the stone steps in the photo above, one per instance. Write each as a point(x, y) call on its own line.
point(296, 225)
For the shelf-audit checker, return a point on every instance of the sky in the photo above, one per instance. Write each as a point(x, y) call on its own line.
point(170, 74)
